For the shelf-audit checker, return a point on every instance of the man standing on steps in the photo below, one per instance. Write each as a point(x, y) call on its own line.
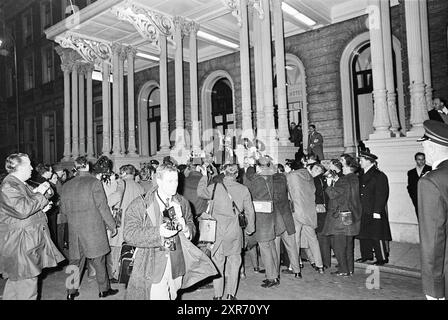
point(414, 175)
point(84, 202)
point(433, 211)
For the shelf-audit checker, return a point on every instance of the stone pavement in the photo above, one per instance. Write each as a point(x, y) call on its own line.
point(313, 286)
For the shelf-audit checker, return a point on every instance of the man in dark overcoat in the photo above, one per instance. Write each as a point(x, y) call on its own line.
point(374, 193)
point(433, 211)
point(84, 202)
point(414, 175)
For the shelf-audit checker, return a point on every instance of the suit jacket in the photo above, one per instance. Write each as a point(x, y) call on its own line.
point(374, 193)
point(435, 115)
point(413, 178)
point(433, 216)
point(84, 202)
point(302, 194)
point(25, 245)
point(318, 141)
point(228, 231)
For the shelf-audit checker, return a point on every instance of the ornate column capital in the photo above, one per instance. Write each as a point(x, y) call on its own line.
point(149, 23)
point(90, 50)
point(235, 6)
point(257, 4)
point(123, 53)
point(89, 67)
point(181, 24)
point(130, 52)
point(192, 27)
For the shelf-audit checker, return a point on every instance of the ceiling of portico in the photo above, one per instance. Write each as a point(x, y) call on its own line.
point(213, 16)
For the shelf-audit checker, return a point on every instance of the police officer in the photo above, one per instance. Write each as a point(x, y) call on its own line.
point(433, 211)
point(374, 193)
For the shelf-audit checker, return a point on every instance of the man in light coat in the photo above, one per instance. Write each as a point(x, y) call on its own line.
point(226, 252)
point(302, 194)
point(87, 223)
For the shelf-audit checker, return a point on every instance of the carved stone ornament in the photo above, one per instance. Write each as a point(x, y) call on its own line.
point(148, 23)
point(90, 50)
point(258, 6)
point(234, 5)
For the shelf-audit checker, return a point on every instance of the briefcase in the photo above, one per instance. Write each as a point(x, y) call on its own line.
point(126, 263)
point(207, 230)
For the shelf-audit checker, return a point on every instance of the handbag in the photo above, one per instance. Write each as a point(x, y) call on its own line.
point(117, 212)
point(242, 220)
point(346, 217)
point(126, 263)
point(264, 206)
point(207, 227)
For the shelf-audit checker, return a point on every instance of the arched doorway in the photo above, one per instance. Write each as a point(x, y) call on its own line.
point(217, 100)
point(149, 118)
point(356, 89)
point(296, 95)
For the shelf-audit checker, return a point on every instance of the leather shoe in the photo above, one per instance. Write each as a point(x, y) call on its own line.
point(362, 260)
point(271, 283)
point(107, 293)
point(381, 262)
point(217, 298)
point(230, 297)
point(72, 296)
point(298, 275)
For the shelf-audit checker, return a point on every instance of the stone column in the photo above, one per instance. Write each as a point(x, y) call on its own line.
point(268, 94)
point(178, 35)
point(389, 67)
point(121, 99)
point(283, 132)
point(131, 106)
point(164, 132)
point(196, 142)
point(245, 72)
point(67, 68)
point(258, 74)
point(82, 118)
point(419, 111)
point(89, 69)
point(116, 100)
point(425, 53)
point(381, 122)
point(75, 138)
point(106, 108)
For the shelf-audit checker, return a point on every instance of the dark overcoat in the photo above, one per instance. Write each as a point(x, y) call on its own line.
point(413, 178)
point(264, 222)
point(25, 244)
point(344, 196)
point(433, 216)
point(321, 198)
point(282, 208)
point(374, 193)
point(84, 202)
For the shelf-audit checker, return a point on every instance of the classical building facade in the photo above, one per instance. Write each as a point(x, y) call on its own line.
point(147, 78)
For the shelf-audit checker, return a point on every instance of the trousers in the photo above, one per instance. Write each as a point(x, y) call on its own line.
point(270, 259)
point(291, 247)
point(370, 246)
point(229, 269)
point(25, 289)
point(325, 244)
point(313, 249)
point(167, 288)
point(343, 249)
point(99, 264)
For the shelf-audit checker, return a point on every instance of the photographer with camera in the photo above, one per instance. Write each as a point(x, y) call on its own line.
point(230, 197)
point(160, 226)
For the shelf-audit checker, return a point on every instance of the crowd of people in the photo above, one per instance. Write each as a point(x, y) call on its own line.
point(155, 216)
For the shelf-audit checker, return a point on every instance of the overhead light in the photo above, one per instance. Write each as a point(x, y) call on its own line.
point(210, 37)
point(147, 56)
point(297, 15)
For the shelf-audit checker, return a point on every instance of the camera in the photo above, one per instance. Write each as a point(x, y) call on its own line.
point(169, 217)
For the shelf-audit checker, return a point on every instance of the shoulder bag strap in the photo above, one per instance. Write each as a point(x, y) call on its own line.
point(212, 200)
point(231, 199)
